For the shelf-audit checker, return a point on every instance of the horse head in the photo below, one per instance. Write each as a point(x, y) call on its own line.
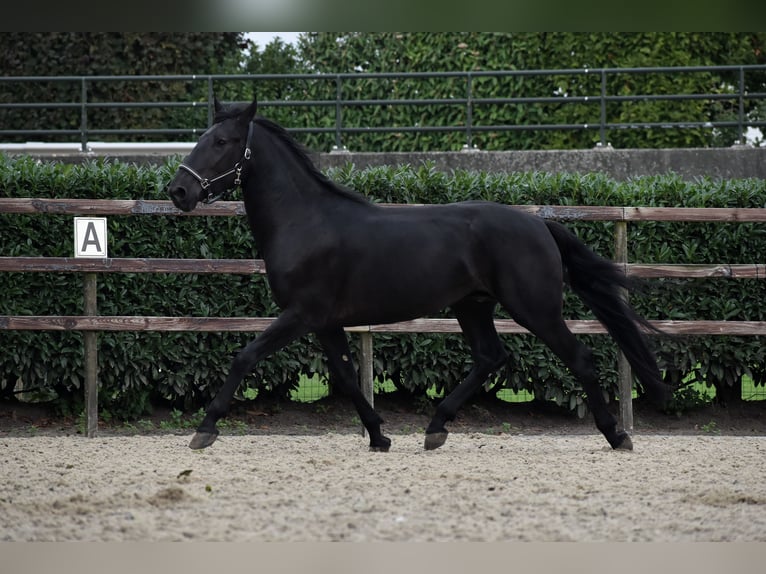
point(215, 164)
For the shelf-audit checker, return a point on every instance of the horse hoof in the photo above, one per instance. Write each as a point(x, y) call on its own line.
point(202, 440)
point(626, 443)
point(382, 445)
point(435, 440)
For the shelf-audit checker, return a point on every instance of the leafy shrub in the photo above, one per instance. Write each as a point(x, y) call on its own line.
point(185, 369)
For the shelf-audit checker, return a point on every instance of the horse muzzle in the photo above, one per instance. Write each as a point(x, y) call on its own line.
point(183, 198)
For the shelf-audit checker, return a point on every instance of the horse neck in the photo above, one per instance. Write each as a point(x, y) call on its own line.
point(278, 193)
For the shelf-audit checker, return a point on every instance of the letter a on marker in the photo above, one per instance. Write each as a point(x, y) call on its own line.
point(91, 238)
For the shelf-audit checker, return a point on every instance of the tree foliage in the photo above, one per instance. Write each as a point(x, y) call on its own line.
point(110, 53)
point(326, 53)
point(436, 102)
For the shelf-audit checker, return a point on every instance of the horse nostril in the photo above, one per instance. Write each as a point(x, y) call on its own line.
point(178, 193)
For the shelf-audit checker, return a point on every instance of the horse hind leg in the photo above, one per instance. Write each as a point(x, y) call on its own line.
point(579, 359)
point(489, 355)
point(344, 374)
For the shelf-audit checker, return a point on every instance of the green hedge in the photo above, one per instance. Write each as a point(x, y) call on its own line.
point(185, 369)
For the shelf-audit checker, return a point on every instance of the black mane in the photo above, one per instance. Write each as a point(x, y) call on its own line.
point(234, 111)
point(303, 156)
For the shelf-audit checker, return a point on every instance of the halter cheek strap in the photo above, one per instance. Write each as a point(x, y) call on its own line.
point(237, 170)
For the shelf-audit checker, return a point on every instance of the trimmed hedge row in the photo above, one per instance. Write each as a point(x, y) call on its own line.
point(185, 369)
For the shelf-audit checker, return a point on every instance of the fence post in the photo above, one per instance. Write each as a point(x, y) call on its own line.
point(741, 139)
point(90, 340)
point(602, 119)
point(210, 101)
point(83, 115)
point(338, 112)
point(365, 368)
point(624, 375)
point(468, 113)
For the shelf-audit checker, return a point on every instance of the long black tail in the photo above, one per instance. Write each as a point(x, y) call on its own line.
point(598, 282)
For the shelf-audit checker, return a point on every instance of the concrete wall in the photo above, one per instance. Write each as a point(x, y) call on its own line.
point(723, 163)
point(620, 164)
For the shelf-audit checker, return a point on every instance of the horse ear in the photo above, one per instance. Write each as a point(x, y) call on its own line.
point(217, 105)
point(252, 109)
point(248, 114)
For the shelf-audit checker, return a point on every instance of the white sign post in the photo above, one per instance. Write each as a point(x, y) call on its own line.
point(90, 237)
point(90, 242)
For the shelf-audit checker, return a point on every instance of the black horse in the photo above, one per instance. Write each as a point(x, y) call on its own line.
point(335, 260)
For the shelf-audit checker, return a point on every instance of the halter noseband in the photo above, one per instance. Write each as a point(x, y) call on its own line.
point(237, 170)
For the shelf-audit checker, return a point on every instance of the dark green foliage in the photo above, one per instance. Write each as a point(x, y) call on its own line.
point(687, 399)
point(437, 101)
point(427, 52)
point(185, 369)
point(116, 54)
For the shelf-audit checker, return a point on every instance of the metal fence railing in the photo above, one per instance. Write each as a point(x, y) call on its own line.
point(746, 107)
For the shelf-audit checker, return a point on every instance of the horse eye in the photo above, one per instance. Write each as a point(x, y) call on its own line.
point(220, 141)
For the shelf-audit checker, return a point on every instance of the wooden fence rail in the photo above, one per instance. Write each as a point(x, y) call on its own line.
point(91, 322)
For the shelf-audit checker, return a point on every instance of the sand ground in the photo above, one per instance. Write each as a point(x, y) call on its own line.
point(329, 487)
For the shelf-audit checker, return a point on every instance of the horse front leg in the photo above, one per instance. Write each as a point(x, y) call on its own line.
point(335, 344)
point(285, 329)
point(489, 355)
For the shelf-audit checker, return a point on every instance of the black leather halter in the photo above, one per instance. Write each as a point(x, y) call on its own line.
point(237, 170)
